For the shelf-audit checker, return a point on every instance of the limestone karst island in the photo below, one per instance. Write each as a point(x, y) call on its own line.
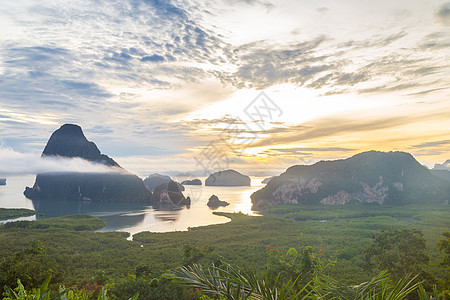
point(224, 150)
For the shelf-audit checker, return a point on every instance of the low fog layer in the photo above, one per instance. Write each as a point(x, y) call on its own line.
point(16, 163)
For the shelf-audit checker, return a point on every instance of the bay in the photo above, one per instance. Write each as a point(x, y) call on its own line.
point(132, 217)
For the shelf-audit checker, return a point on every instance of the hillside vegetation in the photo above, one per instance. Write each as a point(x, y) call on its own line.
point(393, 178)
point(11, 213)
point(341, 234)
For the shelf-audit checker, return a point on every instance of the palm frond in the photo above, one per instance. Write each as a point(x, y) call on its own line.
point(423, 295)
point(379, 287)
point(235, 284)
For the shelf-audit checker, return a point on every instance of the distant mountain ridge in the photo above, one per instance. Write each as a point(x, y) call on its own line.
point(368, 177)
point(70, 141)
point(442, 170)
point(444, 166)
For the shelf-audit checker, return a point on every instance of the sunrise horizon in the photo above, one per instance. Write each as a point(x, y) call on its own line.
point(340, 79)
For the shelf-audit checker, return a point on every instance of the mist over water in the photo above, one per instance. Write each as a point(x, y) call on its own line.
point(14, 163)
point(133, 217)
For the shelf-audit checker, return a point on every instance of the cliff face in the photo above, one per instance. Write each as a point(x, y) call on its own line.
point(227, 178)
point(166, 191)
point(69, 141)
point(370, 177)
point(170, 194)
point(214, 202)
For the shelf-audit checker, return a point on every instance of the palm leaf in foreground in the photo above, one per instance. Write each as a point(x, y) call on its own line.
point(234, 284)
point(378, 288)
point(423, 295)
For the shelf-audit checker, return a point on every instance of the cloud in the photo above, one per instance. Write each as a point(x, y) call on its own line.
point(88, 89)
point(427, 70)
point(324, 64)
point(435, 41)
point(172, 32)
point(322, 9)
point(432, 144)
point(99, 129)
point(153, 58)
point(304, 152)
point(426, 92)
point(384, 88)
point(261, 65)
point(333, 126)
point(350, 79)
point(16, 163)
point(377, 41)
point(146, 27)
point(443, 13)
point(268, 5)
point(165, 8)
point(43, 78)
point(133, 65)
point(312, 149)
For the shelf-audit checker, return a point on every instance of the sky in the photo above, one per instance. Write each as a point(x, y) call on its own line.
point(252, 85)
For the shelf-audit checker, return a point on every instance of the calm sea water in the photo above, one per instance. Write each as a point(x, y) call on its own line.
point(134, 218)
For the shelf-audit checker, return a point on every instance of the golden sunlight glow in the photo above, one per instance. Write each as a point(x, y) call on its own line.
point(46, 119)
point(314, 127)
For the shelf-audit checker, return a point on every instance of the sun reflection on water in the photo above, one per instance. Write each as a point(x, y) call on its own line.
point(244, 205)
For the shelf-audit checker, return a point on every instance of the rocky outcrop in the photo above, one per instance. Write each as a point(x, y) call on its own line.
point(169, 193)
point(369, 177)
point(340, 197)
point(266, 180)
point(192, 182)
point(69, 141)
point(398, 186)
point(292, 190)
point(227, 178)
point(2, 181)
point(214, 202)
point(375, 194)
point(154, 180)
